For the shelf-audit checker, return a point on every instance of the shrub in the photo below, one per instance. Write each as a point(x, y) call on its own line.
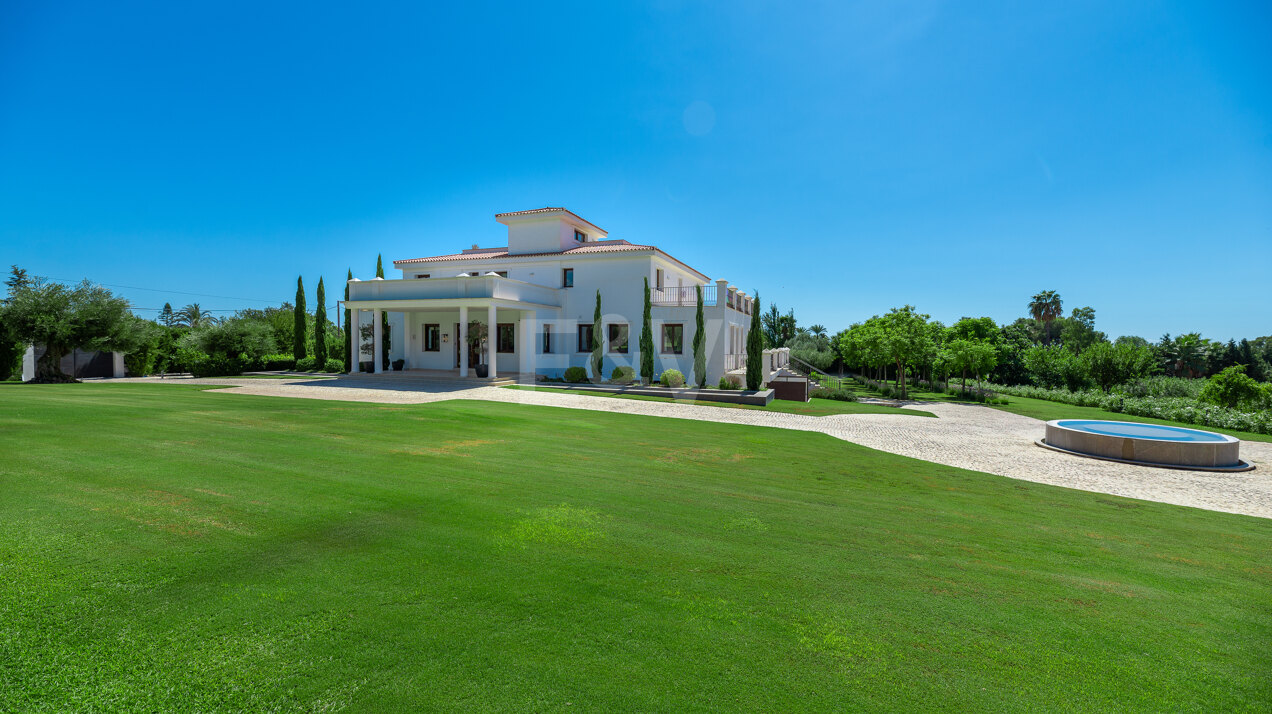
point(672, 378)
point(277, 361)
point(239, 337)
point(366, 366)
point(335, 366)
point(730, 381)
point(623, 375)
point(306, 364)
point(842, 395)
point(216, 366)
point(575, 375)
point(398, 364)
point(1231, 388)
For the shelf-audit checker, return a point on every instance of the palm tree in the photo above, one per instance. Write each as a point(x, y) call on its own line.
point(1045, 307)
point(194, 316)
point(818, 330)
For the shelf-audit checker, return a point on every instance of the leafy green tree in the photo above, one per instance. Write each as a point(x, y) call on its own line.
point(647, 340)
point(699, 344)
point(299, 323)
point(598, 344)
point(385, 330)
point(755, 350)
point(348, 330)
point(11, 349)
point(1078, 333)
point(87, 317)
point(240, 338)
point(1231, 388)
point(320, 327)
point(1045, 307)
point(904, 337)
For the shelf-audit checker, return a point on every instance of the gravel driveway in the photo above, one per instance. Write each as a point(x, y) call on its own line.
point(970, 437)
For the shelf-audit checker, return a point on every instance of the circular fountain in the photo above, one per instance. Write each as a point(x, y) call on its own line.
point(1148, 444)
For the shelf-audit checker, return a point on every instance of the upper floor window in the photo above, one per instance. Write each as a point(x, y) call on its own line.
point(658, 279)
point(567, 277)
point(421, 275)
point(432, 338)
point(580, 236)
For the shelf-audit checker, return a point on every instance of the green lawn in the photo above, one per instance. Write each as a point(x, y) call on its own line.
point(169, 549)
point(1046, 410)
point(813, 407)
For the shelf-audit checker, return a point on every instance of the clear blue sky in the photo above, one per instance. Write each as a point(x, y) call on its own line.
point(842, 159)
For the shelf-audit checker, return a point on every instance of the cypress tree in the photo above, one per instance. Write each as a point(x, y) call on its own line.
point(598, 354)
point(385, 337)
point(647, 340)
point(320, 327)
point(165, 316)
point(754, 349)
point(699, 346)
point(298, 333)
point(348, 334)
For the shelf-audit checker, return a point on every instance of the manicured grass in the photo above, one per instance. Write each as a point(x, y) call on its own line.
point(169, 549)
point(813, 407)
point(1045, 410)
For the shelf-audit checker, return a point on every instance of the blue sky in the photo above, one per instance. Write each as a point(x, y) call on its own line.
point(842, 158)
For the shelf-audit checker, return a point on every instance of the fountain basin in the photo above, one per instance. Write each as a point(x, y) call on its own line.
point(1148, 444)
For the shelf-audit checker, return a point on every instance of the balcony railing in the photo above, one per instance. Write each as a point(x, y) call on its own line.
point(679, 296)
point(732, 362)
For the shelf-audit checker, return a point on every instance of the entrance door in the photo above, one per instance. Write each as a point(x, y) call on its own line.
point(474, 351)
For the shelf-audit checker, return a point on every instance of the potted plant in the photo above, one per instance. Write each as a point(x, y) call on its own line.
point(398, 364)
point(476, 340)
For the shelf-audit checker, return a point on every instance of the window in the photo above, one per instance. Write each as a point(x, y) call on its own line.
point(585, 338)
point(673, 339)
point(580, 236)
point(547, 339)
point(432, 338)
point(618, 338)
point(567, 277)
point(658, 279)
point(505, 342)
point(501, 273)
point(420, 276)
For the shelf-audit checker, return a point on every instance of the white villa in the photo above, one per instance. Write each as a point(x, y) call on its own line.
point(537, 296)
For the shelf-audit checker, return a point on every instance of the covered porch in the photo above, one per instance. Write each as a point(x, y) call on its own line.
point(436, 316)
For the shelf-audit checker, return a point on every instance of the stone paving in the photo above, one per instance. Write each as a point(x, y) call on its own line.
point(971, 437)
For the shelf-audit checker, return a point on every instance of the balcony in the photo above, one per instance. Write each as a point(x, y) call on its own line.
point(478, 287)
point(682, 297)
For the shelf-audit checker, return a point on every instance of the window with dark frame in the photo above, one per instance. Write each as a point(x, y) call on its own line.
point(420, 276)
point(547, 339)
point(618, 337)
point(580, 236)
point(585, 338)
point(506, 342)
point(673, 339)
point(567, 277)
point(432, 338)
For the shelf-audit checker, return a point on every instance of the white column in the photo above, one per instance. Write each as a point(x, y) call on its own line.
point(526, 344)
point(355, 342)
point(377, 340)
point(492, 328)
point(463, 341)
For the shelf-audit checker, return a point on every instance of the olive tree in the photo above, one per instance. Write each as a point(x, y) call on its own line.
point(61, 318)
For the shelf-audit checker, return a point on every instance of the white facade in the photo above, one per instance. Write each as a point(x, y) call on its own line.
point(543, 287)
